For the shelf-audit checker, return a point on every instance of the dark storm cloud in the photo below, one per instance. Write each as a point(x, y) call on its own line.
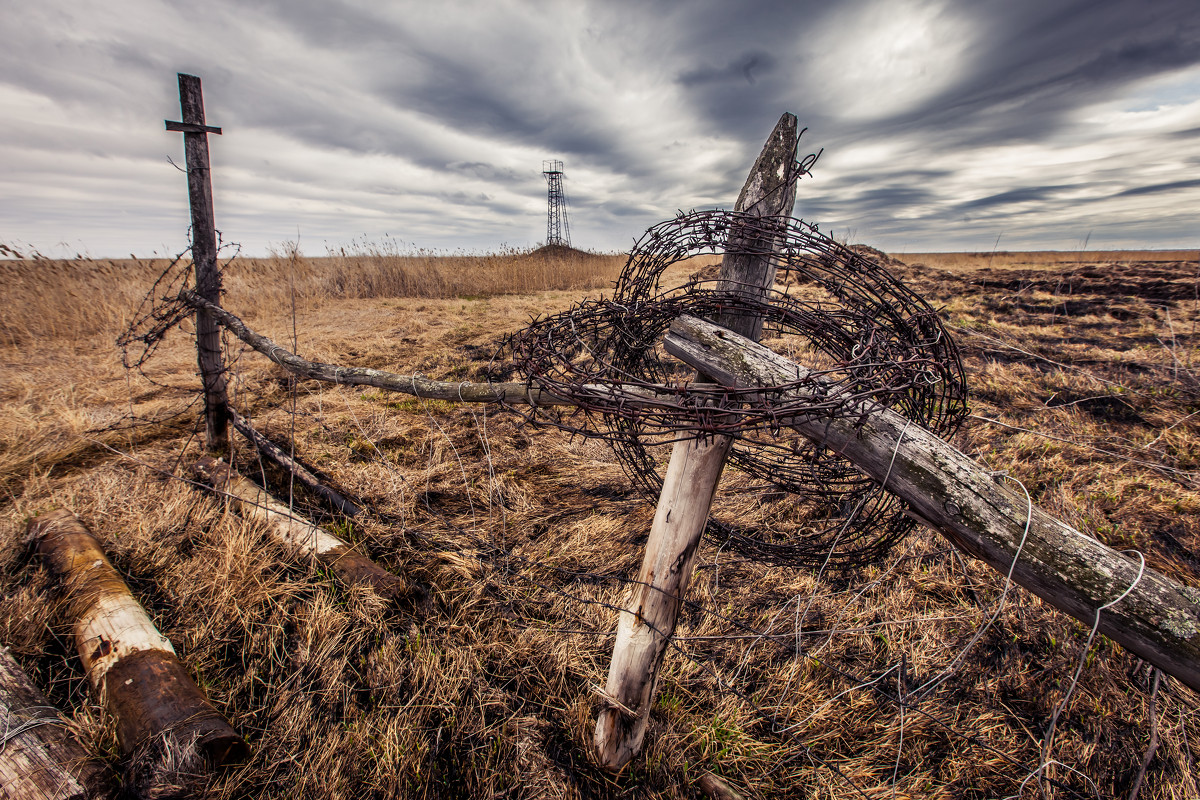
point(872, 197)
point(1156, 188)
point(1190, 133)
point(1026, 194)
point(1038, 62)
point(744, 68)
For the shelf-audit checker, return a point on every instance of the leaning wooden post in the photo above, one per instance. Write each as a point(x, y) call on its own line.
point(1151, 615)
point(40, 759)
point(204, 258)
point(132, 667)
point(691, 479)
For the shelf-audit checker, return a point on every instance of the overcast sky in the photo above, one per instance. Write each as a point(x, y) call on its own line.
point(945, 125)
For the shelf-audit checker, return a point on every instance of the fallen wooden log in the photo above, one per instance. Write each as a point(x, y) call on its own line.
point(691, 479)
point(132, 668)
point(418, 385)
point(314, 485)
point(301, 535)
point(40, 759)
point(1154, 617)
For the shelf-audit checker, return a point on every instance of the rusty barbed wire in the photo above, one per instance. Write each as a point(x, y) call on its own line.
point(156, 314)
point(865, 336)
point(162, 307)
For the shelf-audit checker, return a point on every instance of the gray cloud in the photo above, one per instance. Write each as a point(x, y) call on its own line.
point(1157, 188)
point(943, 122)
point(1025, 194)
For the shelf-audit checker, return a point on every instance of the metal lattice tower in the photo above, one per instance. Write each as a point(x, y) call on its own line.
point(558, 232)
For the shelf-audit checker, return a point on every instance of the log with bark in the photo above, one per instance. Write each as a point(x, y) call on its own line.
point(420, 386)
point(132, 668)
point(649, 620)
point(302, 536)
point(40, 759)
point(1152, 616)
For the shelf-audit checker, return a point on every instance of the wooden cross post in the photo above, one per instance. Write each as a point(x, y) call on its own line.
point(204, 258)
point(648, 622)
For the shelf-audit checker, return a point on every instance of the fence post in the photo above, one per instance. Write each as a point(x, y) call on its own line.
point(204, 258)
point(691, 480)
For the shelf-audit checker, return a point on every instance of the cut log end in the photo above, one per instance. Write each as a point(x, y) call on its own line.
point(716, 788)
point(132, 668)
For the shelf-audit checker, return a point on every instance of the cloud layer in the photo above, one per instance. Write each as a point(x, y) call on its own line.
point(944, 124)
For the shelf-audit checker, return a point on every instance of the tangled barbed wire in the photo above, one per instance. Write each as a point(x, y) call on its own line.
point(159, 311)
point(865, 337)
point(162, 307)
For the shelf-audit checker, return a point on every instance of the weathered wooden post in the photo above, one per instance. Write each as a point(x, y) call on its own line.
point(132, 667)
point(40, 759)
point(1149, 614)
point(691, 479)
point(204, 258)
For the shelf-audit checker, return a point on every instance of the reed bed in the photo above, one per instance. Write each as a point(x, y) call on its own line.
point(77, 299)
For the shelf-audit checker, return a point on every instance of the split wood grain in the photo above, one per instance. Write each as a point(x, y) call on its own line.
point(40, 759)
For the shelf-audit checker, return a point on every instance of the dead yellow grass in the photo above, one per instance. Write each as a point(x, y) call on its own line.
point(78, 300)
point(526, 537)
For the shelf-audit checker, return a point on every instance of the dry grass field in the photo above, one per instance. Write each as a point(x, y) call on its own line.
point(1083, 370)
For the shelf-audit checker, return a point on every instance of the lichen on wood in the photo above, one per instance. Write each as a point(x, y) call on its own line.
point(1157, 618)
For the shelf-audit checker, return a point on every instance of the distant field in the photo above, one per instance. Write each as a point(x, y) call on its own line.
point(1047, 259)
point(56, 299)
point(1084, 370)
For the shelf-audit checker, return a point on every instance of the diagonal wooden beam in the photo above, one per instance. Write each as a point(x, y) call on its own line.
point(646, 625)
point(420, 386)
point(1149, 614)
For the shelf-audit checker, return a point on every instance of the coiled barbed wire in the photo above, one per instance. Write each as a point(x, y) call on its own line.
point(864, 335)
